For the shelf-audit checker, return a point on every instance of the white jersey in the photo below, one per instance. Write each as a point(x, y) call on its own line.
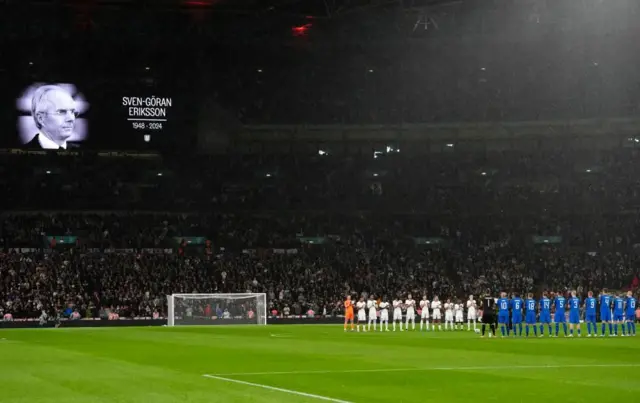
point(436, 305)
point(457, 310)
point(410, 304)
point(448, 312)
point(384, 310)
point(424, 305)
point(471, 309)
point(371, 305)
point(362, 315)
point(397, 309)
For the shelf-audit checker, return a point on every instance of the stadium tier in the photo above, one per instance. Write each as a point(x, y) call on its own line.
point(400, 180)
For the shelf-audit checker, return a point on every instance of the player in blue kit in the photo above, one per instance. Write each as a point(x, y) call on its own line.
point(631, 312)
point(618, 314)
point(574, 314)
point(503, 314)
point(605, 311)
point(560, 305)
point(590, 314)
point(516, 314)
point(545, 313)
point(530, 314)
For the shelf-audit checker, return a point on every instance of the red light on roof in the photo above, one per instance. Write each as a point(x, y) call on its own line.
point(301, 29)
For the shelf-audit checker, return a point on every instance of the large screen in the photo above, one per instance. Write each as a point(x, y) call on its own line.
point(63, 114)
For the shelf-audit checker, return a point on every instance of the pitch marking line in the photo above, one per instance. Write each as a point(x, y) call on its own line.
point(289, 391)
point(353, 371)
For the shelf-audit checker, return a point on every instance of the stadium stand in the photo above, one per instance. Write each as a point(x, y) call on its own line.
point(444, 226)
point(401, 160)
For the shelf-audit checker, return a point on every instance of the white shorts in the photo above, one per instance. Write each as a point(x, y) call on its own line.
point(425, 314)
point(448, 316)
point(384, 316)
point(471, 314)
point(411, 314)
point(373, 315)
point(362, 317)
point(397, 314)
point(459, 318)
point(436, 314)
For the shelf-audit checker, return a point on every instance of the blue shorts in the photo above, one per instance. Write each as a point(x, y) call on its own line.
point(560, 318)
point(605, 316)
point(618, 317)
point(516, 319)
point(545, 317)
point(590, 318)
point(631, 316)
point(531, 318)
point(503, 318)
point(574, 318)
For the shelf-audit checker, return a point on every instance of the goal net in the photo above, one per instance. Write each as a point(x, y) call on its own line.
point(216, 309)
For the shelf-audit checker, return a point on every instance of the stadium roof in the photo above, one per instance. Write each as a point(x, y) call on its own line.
point(317, 8)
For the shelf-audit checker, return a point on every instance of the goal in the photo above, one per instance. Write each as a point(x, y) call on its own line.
point(217, 309)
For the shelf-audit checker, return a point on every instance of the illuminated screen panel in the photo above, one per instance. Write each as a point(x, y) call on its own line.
point(67, 114)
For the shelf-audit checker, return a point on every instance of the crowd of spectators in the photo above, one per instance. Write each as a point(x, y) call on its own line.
point(135, 283)
point(314, 230)
point(499, 214)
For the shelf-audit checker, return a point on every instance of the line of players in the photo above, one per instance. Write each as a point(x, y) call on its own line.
point(615, 311)
point(453, 314)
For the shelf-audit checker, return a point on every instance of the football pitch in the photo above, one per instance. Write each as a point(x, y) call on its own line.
point(310, 363)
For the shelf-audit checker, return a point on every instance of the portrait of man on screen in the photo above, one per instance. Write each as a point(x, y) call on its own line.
point(54, 122)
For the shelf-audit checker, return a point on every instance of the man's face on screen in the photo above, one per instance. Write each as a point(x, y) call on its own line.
point(59, 118)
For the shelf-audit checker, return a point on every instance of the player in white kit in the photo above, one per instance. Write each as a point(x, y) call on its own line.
point(436, 316)
point(397, 313)
point(472, 315)
point(362, 314)
point(410, 303)
point(373, 314)
point(424, 316)
point(457, 310)
point(448, 314)
point(384, 315)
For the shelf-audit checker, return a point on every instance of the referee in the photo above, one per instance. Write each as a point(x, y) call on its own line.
point(489, 315)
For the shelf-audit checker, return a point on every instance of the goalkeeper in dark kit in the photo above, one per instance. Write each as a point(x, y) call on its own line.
point(489, 314)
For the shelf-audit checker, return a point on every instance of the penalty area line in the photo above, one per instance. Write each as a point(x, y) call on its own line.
point(373, 370)
point(283, 390)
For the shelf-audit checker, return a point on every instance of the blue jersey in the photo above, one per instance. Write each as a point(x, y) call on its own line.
point(574, 310)
point(545, 305)
point(605, 308)
point(530, 305)
point(560, 304)
point(605, 303)
point(618, 306)
point(574, 304)
point(503, 306)
point(503, 311)
point(545, 310)
point(530, 309)
point(591, 305)
point(516, 304)
point(631, 308)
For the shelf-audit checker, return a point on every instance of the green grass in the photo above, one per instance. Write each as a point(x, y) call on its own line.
point(167, 365)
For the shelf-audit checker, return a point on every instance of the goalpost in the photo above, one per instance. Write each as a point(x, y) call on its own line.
point(217, 309)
